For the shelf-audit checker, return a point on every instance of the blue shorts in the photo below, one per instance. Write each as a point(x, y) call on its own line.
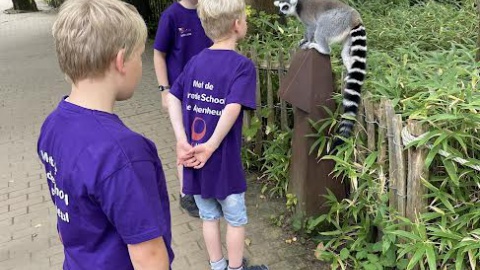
point(233, 209)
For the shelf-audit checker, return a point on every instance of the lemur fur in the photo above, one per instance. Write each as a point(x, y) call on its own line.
point(332, 21)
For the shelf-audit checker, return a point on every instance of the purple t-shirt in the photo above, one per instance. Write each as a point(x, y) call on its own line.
point(107, 184)
point(180, 35)
point(210, 81)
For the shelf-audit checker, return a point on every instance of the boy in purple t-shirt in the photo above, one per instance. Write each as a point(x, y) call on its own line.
point(180, 36)
point(206, 110)
point(106, 181)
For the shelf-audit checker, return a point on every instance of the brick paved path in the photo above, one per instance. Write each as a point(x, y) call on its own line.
point(30, 87)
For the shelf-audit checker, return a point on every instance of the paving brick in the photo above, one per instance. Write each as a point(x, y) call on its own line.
point(13, 214)
point(25, 203)
point(24, 191)
point(30, 216)
point(56, 259)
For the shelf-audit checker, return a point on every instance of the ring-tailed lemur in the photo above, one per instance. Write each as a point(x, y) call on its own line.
point(327, 22)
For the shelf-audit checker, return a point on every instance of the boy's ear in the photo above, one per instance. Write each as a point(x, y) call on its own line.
point(120, 61)
point(236, 25)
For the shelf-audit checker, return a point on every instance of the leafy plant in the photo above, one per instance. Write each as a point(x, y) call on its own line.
point(276, 163)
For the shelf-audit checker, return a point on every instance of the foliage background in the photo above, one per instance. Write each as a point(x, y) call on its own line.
point(422, 57)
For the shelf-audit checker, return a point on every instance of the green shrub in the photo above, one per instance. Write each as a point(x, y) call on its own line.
point(422, 58)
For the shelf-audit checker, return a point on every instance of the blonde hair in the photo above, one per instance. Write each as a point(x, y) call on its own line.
point(218, 16)
point(88, 35)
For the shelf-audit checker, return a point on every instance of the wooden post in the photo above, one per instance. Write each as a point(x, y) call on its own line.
point(308, 86)
point(258, 137)
point(417, 171)
point(271, 108)
point(382, 147)
point(397, 174)
point(370, 121)
point(401, 174)
point(392, 162)
point(283, 104)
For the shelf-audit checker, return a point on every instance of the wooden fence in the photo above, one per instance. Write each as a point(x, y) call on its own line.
point(400, 171)
point(270, 72)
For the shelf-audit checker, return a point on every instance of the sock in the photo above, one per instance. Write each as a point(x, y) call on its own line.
point(240, 268)
point(220, 265)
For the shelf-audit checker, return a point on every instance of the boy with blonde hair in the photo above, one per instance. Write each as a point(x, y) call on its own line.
point(106, 181)
point(179, 37)
point(206, 110)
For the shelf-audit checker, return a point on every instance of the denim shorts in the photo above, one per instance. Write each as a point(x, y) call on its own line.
point(233, 209)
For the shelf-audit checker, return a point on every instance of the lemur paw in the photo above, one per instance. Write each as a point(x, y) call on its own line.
point(305, 46)
point(302, 43)
point(317, 47)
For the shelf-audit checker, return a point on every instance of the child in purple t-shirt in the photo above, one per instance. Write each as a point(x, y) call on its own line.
point(206, 110)
point(180, 36)
point(106, 181)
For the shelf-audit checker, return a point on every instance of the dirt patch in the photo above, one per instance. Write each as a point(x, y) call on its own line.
point(273, 244)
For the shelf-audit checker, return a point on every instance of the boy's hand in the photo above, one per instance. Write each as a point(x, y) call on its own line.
point(202, 153)
point(184, 154)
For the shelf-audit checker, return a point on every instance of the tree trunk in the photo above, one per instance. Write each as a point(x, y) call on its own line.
point(478, 35)
point(265, 5)
point(26, 5)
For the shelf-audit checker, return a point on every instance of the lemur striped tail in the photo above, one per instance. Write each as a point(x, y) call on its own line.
point(355, 78)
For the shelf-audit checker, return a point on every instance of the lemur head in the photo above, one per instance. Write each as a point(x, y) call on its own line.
point(287, 7)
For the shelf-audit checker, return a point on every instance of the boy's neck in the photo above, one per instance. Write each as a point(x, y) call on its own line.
point(187, 4)
point(93, 94)
point(229, 43)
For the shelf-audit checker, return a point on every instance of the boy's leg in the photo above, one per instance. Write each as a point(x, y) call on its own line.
point(213, 240)
point(235, 245)
point(210, 213)
point(235, 212)
point(186, 201)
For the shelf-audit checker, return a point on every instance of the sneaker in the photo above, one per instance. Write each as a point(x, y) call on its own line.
point(187, 202)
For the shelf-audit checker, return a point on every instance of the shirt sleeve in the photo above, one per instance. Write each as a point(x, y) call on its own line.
point(178, 86)
point(130, 199)
point(165, 37)
point(243, 90)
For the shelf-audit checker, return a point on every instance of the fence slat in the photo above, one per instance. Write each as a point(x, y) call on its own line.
point(283, 104)
point(258, 137)
point(399, 157)
point(381, 144)
point(417, 171)
point(370, 119)
point(270, 106)
point(392, 164)
point(396, 159)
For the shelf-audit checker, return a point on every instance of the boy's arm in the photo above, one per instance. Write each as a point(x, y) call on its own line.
point(175, 112)
point(184, 156)
point(160, 63)
point(149, 255)
point(229, 115)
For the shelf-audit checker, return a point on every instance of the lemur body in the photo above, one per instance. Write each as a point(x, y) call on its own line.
point(332, 21)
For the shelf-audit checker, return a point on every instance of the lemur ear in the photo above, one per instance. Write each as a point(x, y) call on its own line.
point(276, 3)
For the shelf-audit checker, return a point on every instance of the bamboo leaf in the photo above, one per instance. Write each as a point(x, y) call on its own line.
point(431, 258)
point(451, 170)
point(416, 257)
